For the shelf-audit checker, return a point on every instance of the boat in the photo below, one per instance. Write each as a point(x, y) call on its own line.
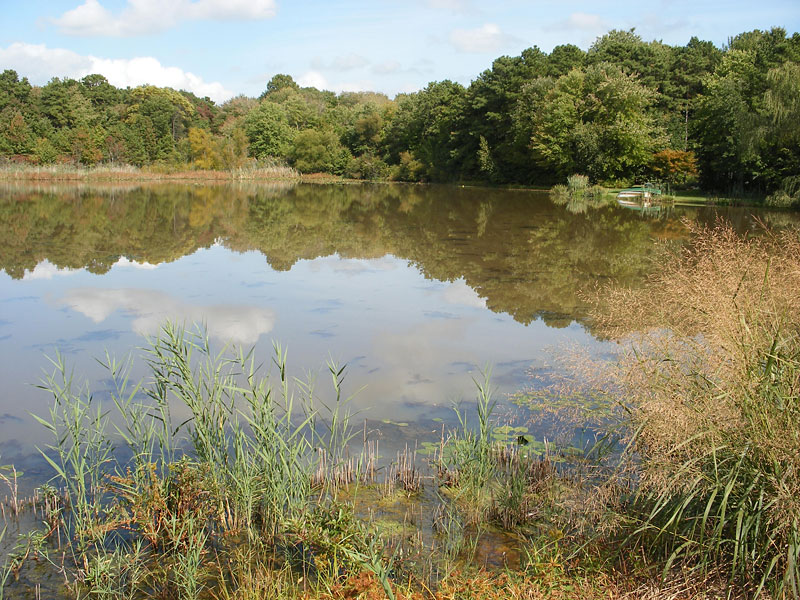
point(639, 194)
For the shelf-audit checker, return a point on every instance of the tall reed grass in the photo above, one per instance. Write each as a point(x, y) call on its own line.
point(712, 381)
point(214, 476)
point(252, 170)
point(239, 466)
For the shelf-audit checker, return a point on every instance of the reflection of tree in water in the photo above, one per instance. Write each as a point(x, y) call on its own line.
point(523, 254)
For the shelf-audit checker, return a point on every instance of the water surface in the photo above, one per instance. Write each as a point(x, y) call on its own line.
point(415, 288)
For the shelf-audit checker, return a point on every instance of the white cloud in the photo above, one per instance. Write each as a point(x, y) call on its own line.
point(488, 38)
point(340, 63)
point(146, 69)
point(241, 325)
point(353, 266)
point(316, 79)
point(135, 264)
point(152, 16)
point(47, 270)
point(40, 63)
point(313, 79)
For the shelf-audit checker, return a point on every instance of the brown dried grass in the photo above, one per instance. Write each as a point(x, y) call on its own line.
point(710, 371)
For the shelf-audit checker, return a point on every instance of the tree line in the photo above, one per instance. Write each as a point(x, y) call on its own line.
point(625, 109)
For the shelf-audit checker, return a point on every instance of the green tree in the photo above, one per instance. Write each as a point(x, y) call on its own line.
point(15, 135)
point(315, 150)
point(726, 143)
point(204, 154)
point(279, 82)
point(648, 61)
point(429, 124)
point(562, 59)
point(595, 121)
point(692, 64)
point(491, 100)
point(13, 90)
point(267, 127)
point(45, 152)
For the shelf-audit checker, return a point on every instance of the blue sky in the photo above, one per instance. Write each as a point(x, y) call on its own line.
point(222, 48)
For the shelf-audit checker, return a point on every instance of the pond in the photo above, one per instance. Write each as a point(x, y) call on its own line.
point(414, 288)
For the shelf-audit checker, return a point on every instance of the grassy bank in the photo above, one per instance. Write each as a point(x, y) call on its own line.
point(123, 173)
point(712, 382)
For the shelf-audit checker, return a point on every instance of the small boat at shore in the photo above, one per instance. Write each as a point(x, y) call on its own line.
point(640, 194)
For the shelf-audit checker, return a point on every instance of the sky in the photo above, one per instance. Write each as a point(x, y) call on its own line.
point(224, 48)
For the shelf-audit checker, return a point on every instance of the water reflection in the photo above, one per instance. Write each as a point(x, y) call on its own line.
point(239, 324)
point(520, 253)
point(414, 287)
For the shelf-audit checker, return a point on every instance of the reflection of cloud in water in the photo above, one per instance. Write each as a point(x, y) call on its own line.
point(47, 270)
point(352, 266)
point(135, 264)
point(151, 309)
point(327, 306)
point(413, 359)
point(99, 336)
point(438, 314)
point(460, 293)
point(323, 333)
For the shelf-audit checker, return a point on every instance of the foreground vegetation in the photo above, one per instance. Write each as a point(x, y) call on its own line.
point(211, 481)
point(712, 382)
point(624, 109)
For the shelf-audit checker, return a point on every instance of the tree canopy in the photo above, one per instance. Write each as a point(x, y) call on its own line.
point(625, 109)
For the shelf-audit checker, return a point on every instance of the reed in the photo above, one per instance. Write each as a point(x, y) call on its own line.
point(243, 466)
point(577, 183)
point(252, 170)
point(249, 485)
point(711, 380)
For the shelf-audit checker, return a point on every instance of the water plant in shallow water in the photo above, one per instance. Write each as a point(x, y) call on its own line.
point(240, 464)
point(249, 490)
point(577, 195)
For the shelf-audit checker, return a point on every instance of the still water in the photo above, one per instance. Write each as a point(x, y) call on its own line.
point(414, 288)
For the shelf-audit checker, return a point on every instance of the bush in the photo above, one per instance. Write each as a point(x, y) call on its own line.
point(409, 169)
point(368, 166)
point(316, 150)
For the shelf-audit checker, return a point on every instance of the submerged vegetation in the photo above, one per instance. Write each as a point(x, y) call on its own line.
point(624, 109)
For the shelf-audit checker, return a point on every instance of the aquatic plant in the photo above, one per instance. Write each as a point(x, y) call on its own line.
point(577, 183)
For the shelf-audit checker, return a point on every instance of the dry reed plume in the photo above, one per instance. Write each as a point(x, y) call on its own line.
point(711, 375)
